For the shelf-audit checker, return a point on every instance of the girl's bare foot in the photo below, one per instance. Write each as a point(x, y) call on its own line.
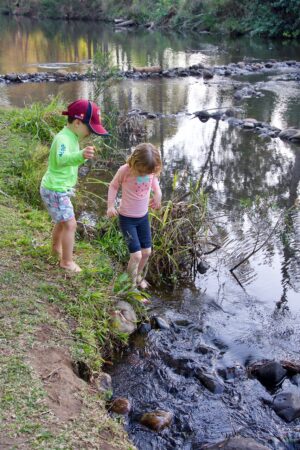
point(72, 267)
point(142, 283)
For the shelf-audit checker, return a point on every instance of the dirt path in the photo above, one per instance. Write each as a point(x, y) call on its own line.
point(44, 404)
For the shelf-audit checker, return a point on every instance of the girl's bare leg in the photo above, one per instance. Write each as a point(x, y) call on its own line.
point(67, 241)
point(146, 252)
point(133, 265)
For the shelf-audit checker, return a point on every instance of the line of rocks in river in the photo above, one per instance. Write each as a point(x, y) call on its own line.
point(290, 68)
point(262, 128)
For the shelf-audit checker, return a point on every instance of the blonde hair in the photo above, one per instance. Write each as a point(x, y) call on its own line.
point(145, 159)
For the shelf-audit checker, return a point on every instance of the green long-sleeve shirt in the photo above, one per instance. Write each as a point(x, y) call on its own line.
point(64, 159)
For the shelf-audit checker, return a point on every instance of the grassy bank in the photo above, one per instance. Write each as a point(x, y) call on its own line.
point(49, 319)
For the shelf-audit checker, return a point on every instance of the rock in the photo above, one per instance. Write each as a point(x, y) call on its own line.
point(248, 125)
point(14, 77)
point(124, 318)
point(270, 373)
point(151, 116)
point(208, 74)
point(147, 69)
point(203, 116)
point(288, 133)
point(202, 267)
point(269, 65)
point(157, 420)
point(103, 382)
point(287, 405)
point(296, 137)
point(238, 443)
point(210, 381)
point(120, 406)
point(159, 324)
point(144, 328)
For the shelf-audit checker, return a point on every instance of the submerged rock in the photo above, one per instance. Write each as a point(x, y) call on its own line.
point(270, 373)
point(290, 134)
point(159, 323)
point(120, 406)
point(210, 381)
point(287, 405)
point(238, 443)
point(157, 420)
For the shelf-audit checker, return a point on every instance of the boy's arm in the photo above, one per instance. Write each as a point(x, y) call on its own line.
point(66, 158)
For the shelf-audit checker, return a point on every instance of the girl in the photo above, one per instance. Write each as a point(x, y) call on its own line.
point(137, 178)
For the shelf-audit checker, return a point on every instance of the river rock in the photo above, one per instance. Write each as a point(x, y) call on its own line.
point(296, 137)
point(288, 133)
point(210, 381)
point(202, 267)
point(157, 420)
point(123, 318)
point(159, 323)
point(144, 328)
point(120, 405)
point(287, 405)
point(269, 373)
point(238, 443)
point(103, 382)
point(207, 74)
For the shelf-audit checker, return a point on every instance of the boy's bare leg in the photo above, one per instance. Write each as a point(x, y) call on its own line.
point(56, 240)
point(146, 252)
point(133, 264)
point(67, 241)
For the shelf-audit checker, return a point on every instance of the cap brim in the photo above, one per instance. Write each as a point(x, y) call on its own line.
point(98, 129)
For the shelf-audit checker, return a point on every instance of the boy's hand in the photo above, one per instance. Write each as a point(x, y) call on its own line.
point(89, 152)
point(112, 212)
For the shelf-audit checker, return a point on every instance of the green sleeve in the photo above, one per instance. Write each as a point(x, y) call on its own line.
point(65, 157)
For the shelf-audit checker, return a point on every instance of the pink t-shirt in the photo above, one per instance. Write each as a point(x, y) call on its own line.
point(135, 192)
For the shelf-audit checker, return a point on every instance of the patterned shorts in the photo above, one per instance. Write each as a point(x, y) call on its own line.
point(58, 204)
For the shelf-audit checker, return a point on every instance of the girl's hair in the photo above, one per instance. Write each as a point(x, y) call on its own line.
point(145, 159)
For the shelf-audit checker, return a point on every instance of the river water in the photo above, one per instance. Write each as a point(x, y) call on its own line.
point(252, 182)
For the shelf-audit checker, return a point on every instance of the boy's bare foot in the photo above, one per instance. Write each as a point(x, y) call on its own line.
point(72, 267)
point(56, 253)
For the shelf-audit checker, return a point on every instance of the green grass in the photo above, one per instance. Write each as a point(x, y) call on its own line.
point(31, 286)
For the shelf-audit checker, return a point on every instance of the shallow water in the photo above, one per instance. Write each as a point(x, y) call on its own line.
point(251, 182)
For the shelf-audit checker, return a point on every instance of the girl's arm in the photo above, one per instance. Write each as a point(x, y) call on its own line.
point(112, 192)
point(155, 202)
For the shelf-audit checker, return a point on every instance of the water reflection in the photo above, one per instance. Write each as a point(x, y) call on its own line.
point(25, 42)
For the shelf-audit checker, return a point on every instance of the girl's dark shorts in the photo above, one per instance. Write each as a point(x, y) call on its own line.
point(136, 231)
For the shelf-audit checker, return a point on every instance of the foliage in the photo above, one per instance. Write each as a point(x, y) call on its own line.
point(104, 71)
point(274, 18)
point(41, 121)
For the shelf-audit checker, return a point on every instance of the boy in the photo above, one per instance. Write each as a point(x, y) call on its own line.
point(61, 176)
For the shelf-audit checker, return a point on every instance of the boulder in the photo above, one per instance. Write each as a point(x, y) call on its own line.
point(269, 373)
point(287, 405)
point(238, 443)
point(157, 420)
point(289, 133)
point(123, 318)
point(103, 382)
point(120, 406)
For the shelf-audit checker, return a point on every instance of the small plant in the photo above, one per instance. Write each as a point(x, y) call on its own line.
point(104, 72)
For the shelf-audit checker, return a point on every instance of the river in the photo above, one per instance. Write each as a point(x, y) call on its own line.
point(252, 182)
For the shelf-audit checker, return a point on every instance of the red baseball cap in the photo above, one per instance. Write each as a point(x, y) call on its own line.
point(89, 113)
